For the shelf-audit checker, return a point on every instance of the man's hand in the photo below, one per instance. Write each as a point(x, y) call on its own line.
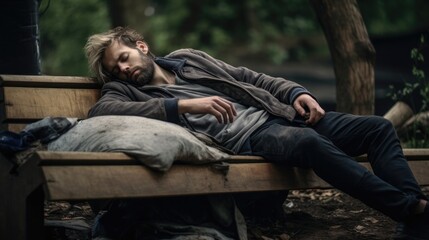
point(308, 108)
point(222, 109)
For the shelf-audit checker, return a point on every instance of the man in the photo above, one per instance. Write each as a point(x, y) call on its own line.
point(253, 113)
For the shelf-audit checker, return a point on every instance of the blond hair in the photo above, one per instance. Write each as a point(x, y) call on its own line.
point(97, 44)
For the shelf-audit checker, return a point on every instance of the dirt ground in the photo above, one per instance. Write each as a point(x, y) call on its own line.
point(309, 214)
point(323, 215)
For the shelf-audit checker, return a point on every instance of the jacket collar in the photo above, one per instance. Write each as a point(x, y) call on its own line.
point(172, 64)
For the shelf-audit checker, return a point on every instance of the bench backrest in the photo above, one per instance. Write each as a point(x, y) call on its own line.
point(27, 98)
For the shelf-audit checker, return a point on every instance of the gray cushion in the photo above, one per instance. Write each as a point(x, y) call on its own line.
point(155, 143)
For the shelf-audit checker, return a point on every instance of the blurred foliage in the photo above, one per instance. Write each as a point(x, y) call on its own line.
point(384, 17)
point(64, 28)
point(258, 31)
point(233, 28)
point(419, 85)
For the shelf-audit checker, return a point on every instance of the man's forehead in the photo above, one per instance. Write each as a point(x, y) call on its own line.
point(111, 53)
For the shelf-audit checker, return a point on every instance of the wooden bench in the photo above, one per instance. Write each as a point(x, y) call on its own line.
point(86, 176)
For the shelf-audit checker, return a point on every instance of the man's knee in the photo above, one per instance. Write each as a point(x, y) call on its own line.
point(381, 124)
point(382, 121)
point(308, 141)
point(310, 146)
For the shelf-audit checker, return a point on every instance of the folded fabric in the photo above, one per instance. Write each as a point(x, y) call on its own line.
point(11, 142)
point(45, 130)
point(155, 143)
point(49, 128)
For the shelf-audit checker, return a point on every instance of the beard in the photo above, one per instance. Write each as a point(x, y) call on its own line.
point(146, 70)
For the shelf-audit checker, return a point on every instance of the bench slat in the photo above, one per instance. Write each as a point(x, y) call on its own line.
point(37, 103)
point(111, 158)
point(16, 127)
point(115, 158)
point(411, 154)
point(84, 158)
point(48, 81)
point(105, 182)
point(416, 153)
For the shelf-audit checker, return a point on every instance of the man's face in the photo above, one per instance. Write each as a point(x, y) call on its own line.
point(129, 64)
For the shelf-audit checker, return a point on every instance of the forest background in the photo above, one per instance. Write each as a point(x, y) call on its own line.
point(282, 38)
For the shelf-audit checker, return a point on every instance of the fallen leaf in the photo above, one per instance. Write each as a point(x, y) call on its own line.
point(335, 226)
point(360, 228)
point(370, 219)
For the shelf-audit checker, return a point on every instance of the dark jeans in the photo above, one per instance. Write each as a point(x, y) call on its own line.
point(329, 147)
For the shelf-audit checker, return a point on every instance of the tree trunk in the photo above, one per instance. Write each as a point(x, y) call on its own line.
point(129, 13)
point(116, 12)
point(352, 54)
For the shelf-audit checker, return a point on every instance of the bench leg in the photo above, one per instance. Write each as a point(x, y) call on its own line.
point(23, 217)
point(21, 201)
point(35, 214)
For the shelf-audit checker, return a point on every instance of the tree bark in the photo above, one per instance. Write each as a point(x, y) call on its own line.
point(352, 53)
point(116, 12)
point(129, 13)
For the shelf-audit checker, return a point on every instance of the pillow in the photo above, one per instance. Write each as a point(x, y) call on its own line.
point(154, 143)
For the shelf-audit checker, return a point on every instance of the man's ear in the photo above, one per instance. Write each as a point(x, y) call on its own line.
point(142, 46)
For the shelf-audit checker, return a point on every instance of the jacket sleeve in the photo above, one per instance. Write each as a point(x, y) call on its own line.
point(284, 90)
point(121, 99)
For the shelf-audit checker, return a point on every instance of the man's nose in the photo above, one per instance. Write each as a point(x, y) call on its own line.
point(124, 67)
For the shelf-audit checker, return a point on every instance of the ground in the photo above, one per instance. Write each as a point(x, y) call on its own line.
point(324, 214)
point(309, 214)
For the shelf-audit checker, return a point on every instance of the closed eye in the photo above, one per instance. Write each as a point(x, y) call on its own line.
point(124, 57)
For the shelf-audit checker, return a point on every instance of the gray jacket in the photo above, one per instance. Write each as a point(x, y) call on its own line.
point(246, 86)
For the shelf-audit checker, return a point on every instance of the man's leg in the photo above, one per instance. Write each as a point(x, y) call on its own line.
point(283, 142)
point(375, 136)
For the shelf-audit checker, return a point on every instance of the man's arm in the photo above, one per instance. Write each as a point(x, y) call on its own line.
point(221, 108)
point(120, 99)
point(284, 90)
point(306, 106)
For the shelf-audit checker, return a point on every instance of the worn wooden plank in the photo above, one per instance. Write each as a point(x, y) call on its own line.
point(416, 153)
point(102, 182)
point(115, 158)
point(15, 127)
point(111, 158)
point(2, 110)
point(411, 154)
point(37, 103)
point(85, 158)
point(48, 81)
point(420, 170)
